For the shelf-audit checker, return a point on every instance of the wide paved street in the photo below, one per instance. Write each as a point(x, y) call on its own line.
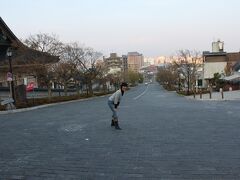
point(164, 136)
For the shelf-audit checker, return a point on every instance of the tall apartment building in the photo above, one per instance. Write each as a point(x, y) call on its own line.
point(135, 61)
point(125, 67)
point(117, 66)
point(114, 63)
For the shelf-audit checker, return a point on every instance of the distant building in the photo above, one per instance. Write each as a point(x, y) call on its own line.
point(220, 62)
point(114, 63)
point(214, 62)
point(135, 61)
point(160, 60)
point(125, 68)
point(148, 61)
point(117, 67)
point(152, 69)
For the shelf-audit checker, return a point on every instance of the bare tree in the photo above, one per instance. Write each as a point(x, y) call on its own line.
point(89, 65)
point(45, 76)
point(133, 77)
point(71, 53)
point(49, 45)
point(167, 76)
point(64, 73)
point(103, 77)
point(228, 69)
point(187, 65)
point(85, 60)
point(45, 43)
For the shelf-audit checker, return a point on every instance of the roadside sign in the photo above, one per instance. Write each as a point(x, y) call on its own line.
point(30, 87)
point(7, 101)
point(9, 76)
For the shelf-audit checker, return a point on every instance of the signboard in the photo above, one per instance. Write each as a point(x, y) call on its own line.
point(9, 76)
point(7, 101)
point(30, 87)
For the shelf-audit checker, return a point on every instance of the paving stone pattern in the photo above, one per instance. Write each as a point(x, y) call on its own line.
point(164, 136)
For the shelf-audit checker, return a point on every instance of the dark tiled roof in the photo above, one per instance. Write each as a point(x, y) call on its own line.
point(207, 53)
point(21, 53)
point(7, 32)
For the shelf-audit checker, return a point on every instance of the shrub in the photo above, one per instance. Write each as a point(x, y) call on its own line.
point(2, 108)
point(41, 101)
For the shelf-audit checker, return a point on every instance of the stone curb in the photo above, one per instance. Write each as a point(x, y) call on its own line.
point(46, 105)
point(197, 99)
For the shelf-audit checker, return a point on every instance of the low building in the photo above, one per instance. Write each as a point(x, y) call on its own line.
point(214, 62)
point(125, 68)
point(218, 61)
point(23, 59)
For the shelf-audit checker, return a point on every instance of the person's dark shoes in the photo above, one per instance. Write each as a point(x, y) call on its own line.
point(117, 126)
point(112, 124)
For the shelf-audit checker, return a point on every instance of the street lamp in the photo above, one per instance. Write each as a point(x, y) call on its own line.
point(179, 79)
point(10, 73)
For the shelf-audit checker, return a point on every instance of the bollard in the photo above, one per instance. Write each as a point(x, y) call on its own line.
point(210, 92)
point(221, 91)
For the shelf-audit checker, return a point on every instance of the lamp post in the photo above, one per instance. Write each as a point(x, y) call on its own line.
point(10, 73)
point(179, 79)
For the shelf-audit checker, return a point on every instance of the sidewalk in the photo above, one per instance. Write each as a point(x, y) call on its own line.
point(227, 96)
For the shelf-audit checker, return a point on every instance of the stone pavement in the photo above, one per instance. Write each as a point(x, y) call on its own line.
point(227, 95)
point(165, 137)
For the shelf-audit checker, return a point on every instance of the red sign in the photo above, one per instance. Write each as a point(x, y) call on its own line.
point(30, 86)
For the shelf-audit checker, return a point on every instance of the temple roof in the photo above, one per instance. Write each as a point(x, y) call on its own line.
point(21, 53)
point(7, 35)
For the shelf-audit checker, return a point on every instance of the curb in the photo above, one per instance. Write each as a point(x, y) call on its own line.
point(47, 105)
point(197, 99)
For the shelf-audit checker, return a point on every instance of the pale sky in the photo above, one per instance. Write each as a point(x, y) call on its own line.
point(151, 27)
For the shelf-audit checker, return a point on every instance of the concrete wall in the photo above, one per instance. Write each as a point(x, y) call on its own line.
point(213, 67)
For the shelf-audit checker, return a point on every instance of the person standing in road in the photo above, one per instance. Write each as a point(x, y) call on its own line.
point(113, 103)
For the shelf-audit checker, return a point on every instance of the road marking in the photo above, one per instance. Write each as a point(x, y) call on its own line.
point(141, 94)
